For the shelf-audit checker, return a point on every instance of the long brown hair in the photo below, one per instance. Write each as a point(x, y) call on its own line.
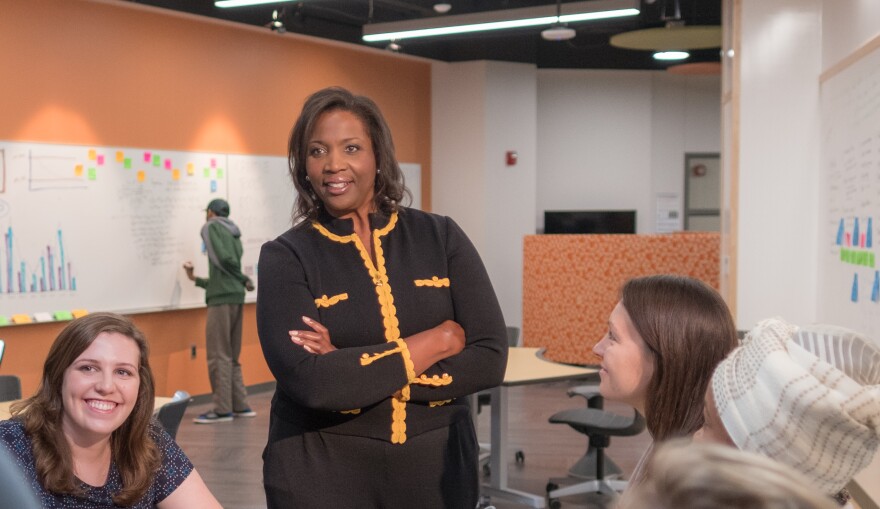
point(136, 456)
point(688, 327)
point(389, 188)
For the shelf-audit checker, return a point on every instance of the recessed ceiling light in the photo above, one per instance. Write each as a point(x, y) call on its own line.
point(671, 55)
point(558, 33)
point(442, 8)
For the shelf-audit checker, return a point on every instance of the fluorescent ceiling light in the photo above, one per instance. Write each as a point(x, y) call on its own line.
point(498, 20)
point(242, 3)
point(671, 55)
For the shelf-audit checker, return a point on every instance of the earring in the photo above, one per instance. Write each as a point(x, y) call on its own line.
point(378, 170)
point(307, 178)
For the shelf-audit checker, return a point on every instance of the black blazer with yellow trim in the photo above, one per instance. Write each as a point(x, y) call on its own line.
point(426, 271)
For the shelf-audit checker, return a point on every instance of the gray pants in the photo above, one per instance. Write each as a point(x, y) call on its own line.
point(223, 333)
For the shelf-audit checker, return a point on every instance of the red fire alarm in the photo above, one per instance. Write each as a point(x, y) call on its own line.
point(510, 157)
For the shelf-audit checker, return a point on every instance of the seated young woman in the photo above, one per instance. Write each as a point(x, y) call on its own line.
point(665, 337)
point(806, 397)
point(86, 438)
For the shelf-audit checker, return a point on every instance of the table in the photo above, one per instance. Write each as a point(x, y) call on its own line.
point(4, 406)
point(524, 366)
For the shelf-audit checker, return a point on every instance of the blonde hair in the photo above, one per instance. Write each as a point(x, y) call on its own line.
point(682, 475)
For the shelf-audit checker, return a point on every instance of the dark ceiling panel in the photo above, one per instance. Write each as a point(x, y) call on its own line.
point(342, 20)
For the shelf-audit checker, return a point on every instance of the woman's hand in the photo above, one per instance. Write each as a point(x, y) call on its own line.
point(316, 341)
point(453, 337)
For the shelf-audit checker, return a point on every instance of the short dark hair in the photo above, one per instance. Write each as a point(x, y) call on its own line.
point(688, 327)
point(389, 189)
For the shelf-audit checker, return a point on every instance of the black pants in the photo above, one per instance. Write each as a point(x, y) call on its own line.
point(434, 470)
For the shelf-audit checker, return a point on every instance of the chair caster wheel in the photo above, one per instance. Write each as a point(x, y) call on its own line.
point(554, 503)
point(551, 486)
point(487, 470)
point(520, 457)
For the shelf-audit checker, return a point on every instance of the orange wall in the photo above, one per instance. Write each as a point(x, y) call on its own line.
point(116, 73)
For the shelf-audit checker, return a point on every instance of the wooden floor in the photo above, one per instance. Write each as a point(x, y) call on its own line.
point(228, 455)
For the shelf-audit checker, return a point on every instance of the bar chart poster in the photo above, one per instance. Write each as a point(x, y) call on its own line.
point(102, 228)
point(849, 273)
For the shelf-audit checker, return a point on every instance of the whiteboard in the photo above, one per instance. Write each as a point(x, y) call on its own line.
point(108, 228)
point(849, 281)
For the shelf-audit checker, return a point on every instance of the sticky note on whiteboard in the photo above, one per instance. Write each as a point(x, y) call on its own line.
point(62, 315)
point(77, 313)
point(43, 316)
point(21, 319)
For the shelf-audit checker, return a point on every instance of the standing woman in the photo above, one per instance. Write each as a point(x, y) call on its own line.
point(86, 440)
point(376, 320)
point(665, 337)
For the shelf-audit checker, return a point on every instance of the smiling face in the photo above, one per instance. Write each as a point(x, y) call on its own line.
point(627, 362)
point(341, 165)
point(100, 388)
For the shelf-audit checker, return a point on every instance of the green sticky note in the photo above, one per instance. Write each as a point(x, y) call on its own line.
point(208, 172)
point(62, 315)
point(219, 173)
point(4, 320)
point(127, 163)
point(93, 174)
point(157, 161)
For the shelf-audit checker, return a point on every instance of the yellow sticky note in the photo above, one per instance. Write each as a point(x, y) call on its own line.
point(190, 169)
point(120, 157)
point(142, 176)
point(93, 154)
point(175, 174)
point(78, 313)
point(78, 170)
point(21, 319)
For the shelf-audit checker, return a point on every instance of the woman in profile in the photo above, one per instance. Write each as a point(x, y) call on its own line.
point(665, 337)
point(86, 439)
point(376, 320)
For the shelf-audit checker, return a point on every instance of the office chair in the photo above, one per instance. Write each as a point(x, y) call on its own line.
point(598, 474)
point(16, 490)
point(171, 414)
point(484, 398)
point(10, 388)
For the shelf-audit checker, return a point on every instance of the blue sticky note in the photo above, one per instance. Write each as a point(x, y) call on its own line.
point(875, 291)
point(840, 233)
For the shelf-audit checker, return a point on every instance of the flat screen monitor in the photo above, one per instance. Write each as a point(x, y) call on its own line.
point(589, 221)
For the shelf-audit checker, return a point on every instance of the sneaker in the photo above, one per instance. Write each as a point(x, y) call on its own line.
point(212, 417)
point(247, 412)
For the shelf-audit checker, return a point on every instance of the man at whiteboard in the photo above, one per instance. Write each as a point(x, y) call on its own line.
point(224, 294)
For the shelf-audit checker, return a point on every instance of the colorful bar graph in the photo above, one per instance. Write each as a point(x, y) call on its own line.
point(51, 272)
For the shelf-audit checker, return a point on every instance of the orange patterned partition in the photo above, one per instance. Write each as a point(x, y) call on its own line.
point(572, 282)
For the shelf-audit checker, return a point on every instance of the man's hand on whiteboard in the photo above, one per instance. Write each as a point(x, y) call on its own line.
point(249, 285)
point(188, 267)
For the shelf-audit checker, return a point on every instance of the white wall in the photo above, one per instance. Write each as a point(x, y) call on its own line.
point(779, 160)
point(614, 139)
point(481, 110)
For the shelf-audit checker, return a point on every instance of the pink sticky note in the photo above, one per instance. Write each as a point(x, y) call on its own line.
point(147, 157)
point(213, 163)
point(100, 159)
point(168, 164)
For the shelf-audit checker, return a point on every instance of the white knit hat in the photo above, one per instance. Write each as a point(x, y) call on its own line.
point(808, 398)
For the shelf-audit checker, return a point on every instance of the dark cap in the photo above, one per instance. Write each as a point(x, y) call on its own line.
point(219, 206)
